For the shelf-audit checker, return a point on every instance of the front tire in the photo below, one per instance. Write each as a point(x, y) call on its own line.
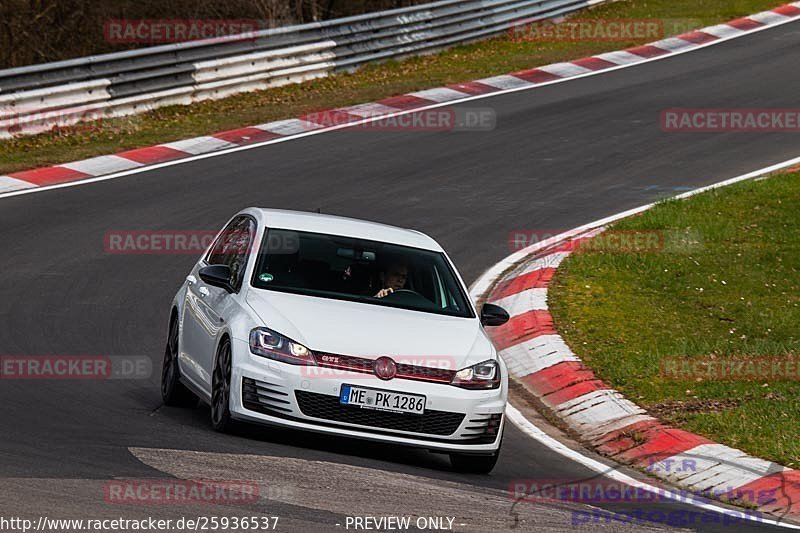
point(474, 464)
point(173, 392)
point(221, 389)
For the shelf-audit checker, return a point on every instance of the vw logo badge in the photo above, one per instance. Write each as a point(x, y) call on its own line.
point(385, 368)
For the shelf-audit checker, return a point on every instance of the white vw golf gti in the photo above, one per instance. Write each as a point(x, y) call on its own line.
point(340, 326)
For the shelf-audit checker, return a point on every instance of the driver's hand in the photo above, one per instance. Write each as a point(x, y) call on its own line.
point(384, 292)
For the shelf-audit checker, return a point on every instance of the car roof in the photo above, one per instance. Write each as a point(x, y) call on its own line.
point(346, 227)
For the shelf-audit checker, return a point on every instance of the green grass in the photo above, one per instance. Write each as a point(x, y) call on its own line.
point(726, 284)
point(464, 63)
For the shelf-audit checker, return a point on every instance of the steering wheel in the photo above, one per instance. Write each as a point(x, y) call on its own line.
point(407, 297)
point(400, 291)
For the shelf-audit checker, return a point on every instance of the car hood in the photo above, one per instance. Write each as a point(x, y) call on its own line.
point(371, 331)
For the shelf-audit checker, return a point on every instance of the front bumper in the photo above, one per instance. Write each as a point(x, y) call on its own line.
point(301, 397)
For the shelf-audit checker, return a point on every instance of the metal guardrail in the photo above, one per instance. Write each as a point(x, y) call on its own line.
point(39, 97)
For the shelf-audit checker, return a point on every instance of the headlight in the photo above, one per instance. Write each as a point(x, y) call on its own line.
point(271, 344)
point(485, 375)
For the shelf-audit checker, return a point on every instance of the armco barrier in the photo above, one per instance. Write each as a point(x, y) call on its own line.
point(36, 98)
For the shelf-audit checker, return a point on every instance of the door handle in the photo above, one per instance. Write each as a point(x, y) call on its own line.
point(191, 280)
point(203, 291)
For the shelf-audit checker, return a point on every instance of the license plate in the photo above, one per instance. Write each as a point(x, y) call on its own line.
point(382, 400)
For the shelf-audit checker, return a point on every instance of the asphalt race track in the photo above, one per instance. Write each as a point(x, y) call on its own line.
point(560, 156)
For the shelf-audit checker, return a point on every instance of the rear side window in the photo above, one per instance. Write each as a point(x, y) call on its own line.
point(232, 247)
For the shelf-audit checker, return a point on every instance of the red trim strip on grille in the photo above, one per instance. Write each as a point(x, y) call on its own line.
point(404, 371)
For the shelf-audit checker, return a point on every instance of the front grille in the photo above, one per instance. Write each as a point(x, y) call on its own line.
point(404, 370)
point(328, 408)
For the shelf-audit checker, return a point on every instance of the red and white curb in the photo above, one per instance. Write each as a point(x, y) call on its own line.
point(539, 359)
point(131, 160)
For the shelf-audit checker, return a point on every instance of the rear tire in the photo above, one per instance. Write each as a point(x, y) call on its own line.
point(474, 464)
point(173, 392)
point(221, 419)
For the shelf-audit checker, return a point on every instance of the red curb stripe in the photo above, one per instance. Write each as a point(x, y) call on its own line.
point(745, 24)
point(618, 441)
point(405, 101)
point(522, 328)
point(49, 175)
point(594, 63)
point(473, 87)
point(698, 37)
point(783, 489)
point(788, 10)
point(660, 442)
point(647, 51)
point(573, 391)
point(558, 377)
point(538, 279)
point(245, 135)
point(153, 154)
point(535, 75)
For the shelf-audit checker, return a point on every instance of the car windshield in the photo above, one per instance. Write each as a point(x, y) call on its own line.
point(345, 268)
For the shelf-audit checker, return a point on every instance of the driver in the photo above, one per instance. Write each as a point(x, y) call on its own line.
point(393, 277)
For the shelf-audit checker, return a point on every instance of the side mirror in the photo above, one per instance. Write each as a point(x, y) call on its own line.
point(217, 276)
point(493, 315)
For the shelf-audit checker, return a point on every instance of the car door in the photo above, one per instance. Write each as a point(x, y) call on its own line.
point(208, 308)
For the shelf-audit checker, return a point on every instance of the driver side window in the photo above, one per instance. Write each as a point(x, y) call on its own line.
point(232, 248)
